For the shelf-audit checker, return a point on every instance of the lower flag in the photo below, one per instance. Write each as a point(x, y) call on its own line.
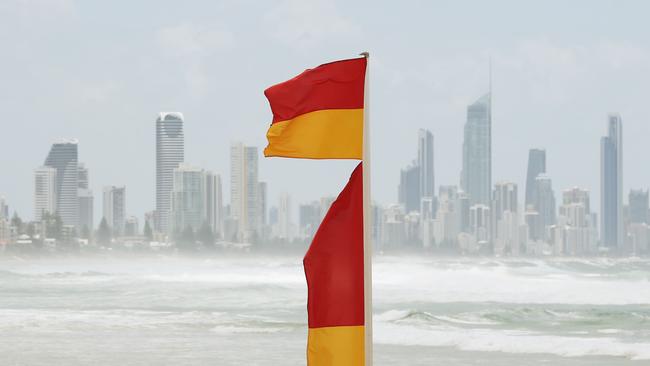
point(334, 268)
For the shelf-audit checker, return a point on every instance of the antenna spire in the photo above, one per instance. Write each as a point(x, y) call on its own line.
point(490, 76)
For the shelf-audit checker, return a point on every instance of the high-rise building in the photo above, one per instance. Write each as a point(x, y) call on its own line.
point(425, 163)
point(611, 185)
point(214, 203)
point(263, 191)
point(577, 195)
point(63, 157)
point(86, 200)
point(131, 226)
point(447, 222)
point(505, 218)
point(479, 222)
point(115, 208)
point(244, 190)
point(577, 223)
point(170, 151)
point(284, 225)
point(409, 188)
point(536, 166)
point(504, 199)
point(638, 201)
point(86, 210)
point(309, 218)
point(427, 216)
point(544, 204)
point(4, 209)
point(188, 198)
point(393, 226)
point(476, 176)
point(44, 191)
point(83, 177)
point(5, 232)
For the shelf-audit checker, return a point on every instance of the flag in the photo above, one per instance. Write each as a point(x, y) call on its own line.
point(335, 280)
point(319, 113)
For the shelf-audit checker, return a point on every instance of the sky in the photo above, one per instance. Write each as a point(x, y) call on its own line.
point(102, 71)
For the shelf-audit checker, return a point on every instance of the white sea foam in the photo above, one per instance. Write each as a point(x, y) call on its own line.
point(468, 281)
point(567, 308)
point(510, 341)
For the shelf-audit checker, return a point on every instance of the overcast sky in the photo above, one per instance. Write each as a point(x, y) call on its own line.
point(101, 71)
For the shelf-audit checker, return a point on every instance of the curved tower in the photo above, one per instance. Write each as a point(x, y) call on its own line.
point(170, 151)
point(63, 157)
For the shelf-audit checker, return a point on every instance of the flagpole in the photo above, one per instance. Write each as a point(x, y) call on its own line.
point(367, 219)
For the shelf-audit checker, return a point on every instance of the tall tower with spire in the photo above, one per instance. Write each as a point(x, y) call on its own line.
point(476, 176)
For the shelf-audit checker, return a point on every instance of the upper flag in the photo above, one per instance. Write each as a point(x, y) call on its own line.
point(319, 113)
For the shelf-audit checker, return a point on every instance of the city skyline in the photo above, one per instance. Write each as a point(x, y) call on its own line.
point(552, 87)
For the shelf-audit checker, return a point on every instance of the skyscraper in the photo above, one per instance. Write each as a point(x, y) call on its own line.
point(409, 188)
point(309, 218)
point(83, 179)
point(505, 218)
point(476, 176)
point(214, 203)
point(611, 184)
point(63, 157)
point(425, 163)
point(638, 201)
point(536, 166)
point(44, 192)
point(284, 226)
point(86, 210)
point(244, 190)
point(505, 198)
point(170, 151)
point(86, 201)
point(479, 222)
point(188, 198)
point(579, 230)
point(115, 208)
point(263, 192)
point(544, 205)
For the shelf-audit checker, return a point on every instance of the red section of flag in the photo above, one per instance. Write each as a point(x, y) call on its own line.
point(336, 85)
point(334, 261)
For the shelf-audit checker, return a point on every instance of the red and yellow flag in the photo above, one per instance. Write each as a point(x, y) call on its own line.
point(319, 113)
point(334, 271)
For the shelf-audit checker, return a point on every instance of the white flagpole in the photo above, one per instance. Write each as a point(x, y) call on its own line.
point(367, 220)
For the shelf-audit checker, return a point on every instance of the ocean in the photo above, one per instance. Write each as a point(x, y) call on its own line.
point(252, 311)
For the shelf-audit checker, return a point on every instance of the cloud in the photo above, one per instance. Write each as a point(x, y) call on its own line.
point(35, 12)
point(309, 22)
point(193, 40)
point(191, 46)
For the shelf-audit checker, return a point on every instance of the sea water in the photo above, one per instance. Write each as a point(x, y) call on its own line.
point(252, 311)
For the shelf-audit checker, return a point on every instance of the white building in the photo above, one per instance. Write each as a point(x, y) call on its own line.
point(45, 199)
point(214, 203)
point(447, 224)
point(284, 226)
point(244, 191)
point(479, 222)
point(170, 151)
point(575, 227)
point(505, 218)
point(114, 208)
point(188, 198)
